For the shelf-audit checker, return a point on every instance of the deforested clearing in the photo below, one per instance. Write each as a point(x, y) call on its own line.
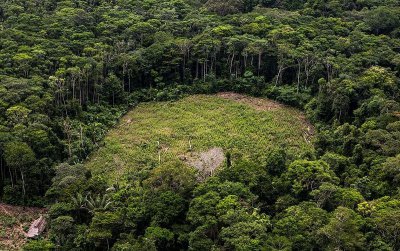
point(14, 223)
point(159, 133)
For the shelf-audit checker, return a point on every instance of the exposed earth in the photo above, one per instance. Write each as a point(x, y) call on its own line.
point(14, 223)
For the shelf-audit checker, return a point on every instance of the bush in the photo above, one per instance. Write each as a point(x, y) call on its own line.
point(39, 245)
point(288, 95)
point(12, 195)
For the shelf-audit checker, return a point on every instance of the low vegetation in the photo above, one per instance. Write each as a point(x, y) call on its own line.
point(161, 133)
point(195, 164)
point(14, 224)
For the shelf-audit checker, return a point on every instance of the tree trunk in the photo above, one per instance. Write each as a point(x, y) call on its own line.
point(197, 69)
point(278, 77)
point(231, 65)
point(129, 81)
point(298, 75)
point(23, 186)
point(11, 177)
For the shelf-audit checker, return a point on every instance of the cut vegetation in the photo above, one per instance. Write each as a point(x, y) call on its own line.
point(199, 131)
point(14, 225)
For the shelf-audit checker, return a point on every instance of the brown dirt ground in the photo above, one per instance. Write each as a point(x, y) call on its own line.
point(12, 236)
point(260, 104)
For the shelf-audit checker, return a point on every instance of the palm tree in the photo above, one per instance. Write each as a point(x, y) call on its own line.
point(79, 201)
point(98, 203)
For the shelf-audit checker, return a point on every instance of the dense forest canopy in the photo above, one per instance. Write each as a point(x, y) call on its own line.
point(70, 69)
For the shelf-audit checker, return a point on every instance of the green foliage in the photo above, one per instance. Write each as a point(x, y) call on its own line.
point(39, 245)
point(62, 231)
point(225, 212)
point(384, 216)
point(162, 237)
point(18, 155)
point(69, 70)
point(164, 132)
point(300, 224)
point(225, 7)
point(305, 176)
point(102, 227)
point(383, 19)
point(343, 230)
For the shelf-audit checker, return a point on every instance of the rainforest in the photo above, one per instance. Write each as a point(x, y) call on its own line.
point(200, 125)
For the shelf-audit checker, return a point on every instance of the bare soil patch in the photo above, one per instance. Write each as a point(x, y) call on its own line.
point(206, 162)
point(14, 220)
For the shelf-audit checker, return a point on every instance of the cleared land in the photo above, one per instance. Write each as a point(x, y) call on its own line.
point(161, 132)
point(14, 222)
